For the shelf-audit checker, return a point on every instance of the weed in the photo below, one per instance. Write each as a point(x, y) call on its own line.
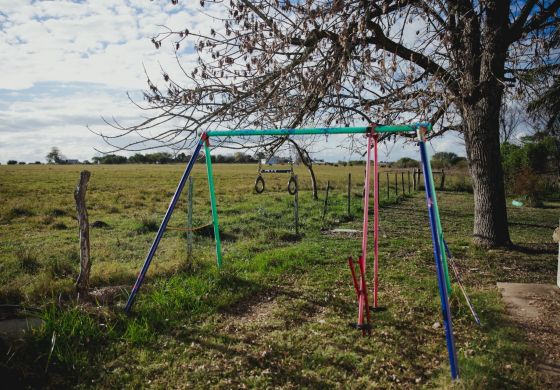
point(27, 261)
point(62, 267)
point(18, 212)
point(56, 212)
point(138, 332)
point(147, 225)
point(47, 220)
point(59, 226)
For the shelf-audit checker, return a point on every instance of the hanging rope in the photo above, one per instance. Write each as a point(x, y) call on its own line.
point(460, 283)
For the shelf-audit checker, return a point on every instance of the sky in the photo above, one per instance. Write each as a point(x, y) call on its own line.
point(66, 65)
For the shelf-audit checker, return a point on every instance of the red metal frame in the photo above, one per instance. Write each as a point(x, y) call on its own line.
point(375, 220)
point(361, 286)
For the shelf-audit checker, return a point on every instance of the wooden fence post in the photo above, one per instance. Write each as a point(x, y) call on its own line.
point(442, 187)
point(396, 185)
point(402, 181)
point(349, 195)
point(387, 173)
point(408, 176)
point(556, 238)
point(82, 283)
point(296, 206)
point(414, 179)
point(189, 219)
point(326, 201)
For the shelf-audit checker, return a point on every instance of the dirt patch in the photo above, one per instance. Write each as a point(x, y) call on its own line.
point(536, 309)
point(343, 233)
point(274, 309)
point(255, 313)
point(107, 295)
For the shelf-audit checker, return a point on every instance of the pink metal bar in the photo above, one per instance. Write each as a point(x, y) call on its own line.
point(375, 220)
point(366, 201)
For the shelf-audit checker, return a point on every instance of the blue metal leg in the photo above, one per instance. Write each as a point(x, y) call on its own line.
point(446, 313)
point(162, 227)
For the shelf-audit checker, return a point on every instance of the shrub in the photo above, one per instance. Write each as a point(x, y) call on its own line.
point(529, 185)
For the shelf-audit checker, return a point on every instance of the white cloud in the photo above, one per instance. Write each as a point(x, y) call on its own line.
point(67, 63)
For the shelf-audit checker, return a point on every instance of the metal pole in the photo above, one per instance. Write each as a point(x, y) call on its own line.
point(162, 227)
point(363, 258)
point(213, 203)
point(321, 130)
point(375, 221)
point(446, 313)
point(430, 177)
point(189, 219)
point(366, 201)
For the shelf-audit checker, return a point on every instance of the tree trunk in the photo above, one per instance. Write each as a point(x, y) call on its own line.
point(482, 141)
point(313, 180)
point(306, 160)
point(82, 283)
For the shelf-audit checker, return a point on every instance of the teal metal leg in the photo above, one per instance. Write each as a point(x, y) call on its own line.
point(442, 250)
point(213, 204)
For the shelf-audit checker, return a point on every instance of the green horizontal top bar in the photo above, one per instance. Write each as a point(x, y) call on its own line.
point(318, 130)
point(302, 131)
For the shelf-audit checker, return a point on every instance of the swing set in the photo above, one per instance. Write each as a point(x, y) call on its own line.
point(292, 183)
point(372, 132)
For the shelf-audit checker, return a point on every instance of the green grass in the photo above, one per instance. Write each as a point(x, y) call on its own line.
point(276, 314)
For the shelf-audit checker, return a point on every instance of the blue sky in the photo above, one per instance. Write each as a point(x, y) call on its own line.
point(65, 64)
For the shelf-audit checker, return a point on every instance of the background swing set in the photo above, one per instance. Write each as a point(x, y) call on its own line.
point(372, 132)
point(259, 181)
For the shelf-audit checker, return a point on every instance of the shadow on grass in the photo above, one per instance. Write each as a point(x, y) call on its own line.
point(536, 249)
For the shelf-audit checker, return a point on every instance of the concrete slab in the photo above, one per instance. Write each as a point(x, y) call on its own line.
point(346, 231)
point(536, 309)
point(523, 298)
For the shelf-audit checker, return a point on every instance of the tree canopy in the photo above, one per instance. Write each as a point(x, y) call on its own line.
point(283, 64)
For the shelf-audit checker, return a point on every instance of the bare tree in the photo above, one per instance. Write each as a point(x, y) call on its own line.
point(279, 63)
point(511, 118)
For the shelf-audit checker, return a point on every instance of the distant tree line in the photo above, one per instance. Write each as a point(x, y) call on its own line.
point(439, 160)
point(15, 162)
point(168, 158)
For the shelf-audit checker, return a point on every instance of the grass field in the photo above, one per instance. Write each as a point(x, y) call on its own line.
point(276, 315)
